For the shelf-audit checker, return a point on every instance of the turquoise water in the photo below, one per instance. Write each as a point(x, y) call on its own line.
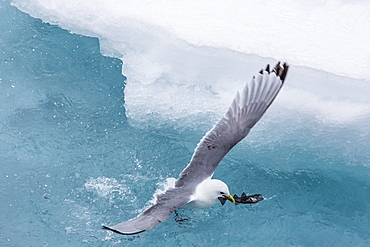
point(70, 160)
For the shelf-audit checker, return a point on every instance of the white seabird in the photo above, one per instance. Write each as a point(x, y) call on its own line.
point(195, 186)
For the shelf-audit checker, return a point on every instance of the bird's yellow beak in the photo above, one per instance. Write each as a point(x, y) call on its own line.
point(229, 197)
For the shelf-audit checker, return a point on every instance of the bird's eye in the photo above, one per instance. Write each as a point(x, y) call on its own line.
point(222, 193)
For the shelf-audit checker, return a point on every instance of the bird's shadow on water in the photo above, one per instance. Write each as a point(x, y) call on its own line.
point(192, 217)
point(186, 218)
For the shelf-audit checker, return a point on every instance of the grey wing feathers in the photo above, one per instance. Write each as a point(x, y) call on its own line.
point(245, 111)
point(165, 205)
point(136, 225)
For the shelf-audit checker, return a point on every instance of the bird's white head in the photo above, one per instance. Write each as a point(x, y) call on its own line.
point(220, 191)
point(209, 192)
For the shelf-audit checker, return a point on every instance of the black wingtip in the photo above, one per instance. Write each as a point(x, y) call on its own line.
point(113, 230)
point(285, 71)
point(110, 229)
point(281, 70)
point(268, 68)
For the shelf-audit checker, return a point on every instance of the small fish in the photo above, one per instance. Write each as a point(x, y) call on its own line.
point(244, 199)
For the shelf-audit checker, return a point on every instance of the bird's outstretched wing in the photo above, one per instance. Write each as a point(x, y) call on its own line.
point(165, 205)
point(245, 111)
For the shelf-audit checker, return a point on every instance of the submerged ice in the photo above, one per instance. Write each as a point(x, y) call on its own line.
point(76, 140)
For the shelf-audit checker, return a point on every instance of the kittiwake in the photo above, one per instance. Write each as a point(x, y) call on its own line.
point(195, 187)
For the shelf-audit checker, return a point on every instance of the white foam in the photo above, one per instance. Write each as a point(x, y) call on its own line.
point(184, 58)
point(104, 187)
point(162, 187)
